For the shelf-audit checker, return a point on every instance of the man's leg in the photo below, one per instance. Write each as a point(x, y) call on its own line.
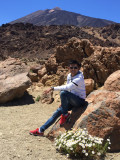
point(51, 120)
point(69, 100)
point(61, 110)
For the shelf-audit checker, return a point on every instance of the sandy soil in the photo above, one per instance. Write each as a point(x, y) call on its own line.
point(16, 119)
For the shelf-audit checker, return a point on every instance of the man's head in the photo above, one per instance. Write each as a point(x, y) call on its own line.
point(74, 67)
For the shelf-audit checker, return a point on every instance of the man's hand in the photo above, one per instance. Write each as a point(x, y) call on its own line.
point(59, 105)
point(48, 90)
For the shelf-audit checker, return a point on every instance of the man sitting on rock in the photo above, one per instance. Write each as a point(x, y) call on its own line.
point(72, 94)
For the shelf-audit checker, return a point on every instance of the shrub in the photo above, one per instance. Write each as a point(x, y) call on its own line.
point(80, 144)
point(38, 98)
point(31, 70)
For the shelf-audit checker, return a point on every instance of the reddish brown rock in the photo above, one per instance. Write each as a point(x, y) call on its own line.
point(33, 76)
point(13, 87)
point(102, 116)
point(53, 80)
point(47, 97)
point(13, 79)
point(74, 49)
point(12, 66)
point(35, 68)
point(58, 130)
point(97, 62)
point(88, 47)
point(42, 72)
point(33, 73)
point(101, 64)
point(51, 65)
point(113, 82)
point(57, 64)
point(89, 85)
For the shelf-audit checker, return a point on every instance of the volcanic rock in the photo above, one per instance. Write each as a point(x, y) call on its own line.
point(37, 43)
point(33, 76)
point(113, 82)
point(13, 79)
point(47, 97)
point(97, 62)
point(73, 49)
point(101, 64)
point(89, 85)
point(52, 80)
point(101, 117)
point(42, 72)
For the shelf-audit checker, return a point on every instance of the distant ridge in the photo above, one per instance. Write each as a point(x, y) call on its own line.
point(56, 16)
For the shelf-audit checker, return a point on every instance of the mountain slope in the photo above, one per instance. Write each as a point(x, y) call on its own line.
point(57, 16)
point(28, 41)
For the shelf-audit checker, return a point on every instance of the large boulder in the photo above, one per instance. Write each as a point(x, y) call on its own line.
point(57, 64)
point(101, 117)
point(101, 64)
point(11, 67)
point(113, 82)
point(74, 49)
point(58, 129)
point(13, 79)
point(97, 62)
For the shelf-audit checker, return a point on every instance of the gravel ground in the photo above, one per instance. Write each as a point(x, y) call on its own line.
point(16, 143)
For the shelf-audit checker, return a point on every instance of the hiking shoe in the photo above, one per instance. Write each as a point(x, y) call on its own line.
point(64, 118)
point(36, 132)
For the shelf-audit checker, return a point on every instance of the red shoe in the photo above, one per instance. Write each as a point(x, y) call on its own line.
point(36, 132)
point(63, 118)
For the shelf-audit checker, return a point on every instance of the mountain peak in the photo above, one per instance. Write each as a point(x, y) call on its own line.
point(56, 16)
point(56, 8)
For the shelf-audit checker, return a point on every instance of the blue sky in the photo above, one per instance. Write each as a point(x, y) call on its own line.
point(106, 9)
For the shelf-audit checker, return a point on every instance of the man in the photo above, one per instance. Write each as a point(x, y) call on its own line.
point(72, 94)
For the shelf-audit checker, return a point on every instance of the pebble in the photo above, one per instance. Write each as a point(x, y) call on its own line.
point(0, 133)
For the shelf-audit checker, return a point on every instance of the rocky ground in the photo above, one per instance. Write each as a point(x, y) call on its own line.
point(20, 116)
point(25, 40)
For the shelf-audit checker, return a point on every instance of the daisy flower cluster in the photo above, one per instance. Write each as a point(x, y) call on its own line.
point(81, 144)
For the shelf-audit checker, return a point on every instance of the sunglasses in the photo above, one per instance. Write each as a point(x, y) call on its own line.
point(73, 67)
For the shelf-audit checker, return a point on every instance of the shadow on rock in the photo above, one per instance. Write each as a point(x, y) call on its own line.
point(24, 100)
point(58, 129)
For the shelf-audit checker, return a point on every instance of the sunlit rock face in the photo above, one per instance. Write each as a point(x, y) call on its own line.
point(13, 79)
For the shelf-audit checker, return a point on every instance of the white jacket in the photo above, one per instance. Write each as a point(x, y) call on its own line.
point(74, 85)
